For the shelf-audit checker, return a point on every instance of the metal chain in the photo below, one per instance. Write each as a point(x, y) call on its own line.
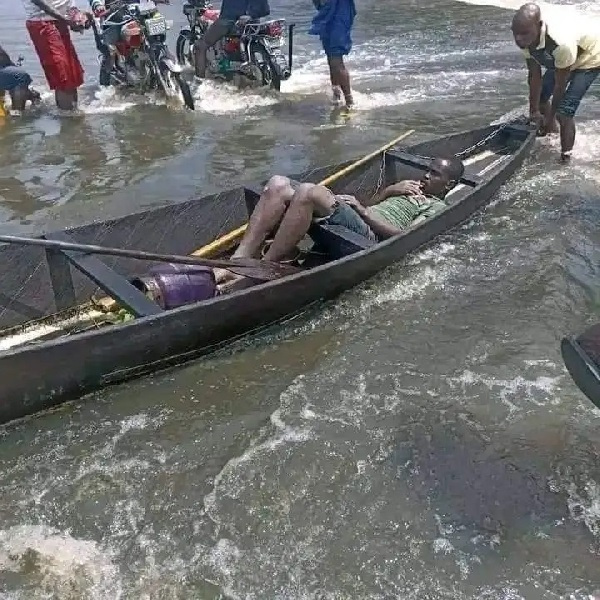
point(461, 154)
point(479, 144)
point(482, 142)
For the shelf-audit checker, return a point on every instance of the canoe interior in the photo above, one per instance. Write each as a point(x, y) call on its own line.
point(33, 285)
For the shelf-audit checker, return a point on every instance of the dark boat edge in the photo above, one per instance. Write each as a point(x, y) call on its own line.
point(582, 369)
point(72, 388)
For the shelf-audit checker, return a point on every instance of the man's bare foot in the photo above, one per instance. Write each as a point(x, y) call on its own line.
point(565, 157)
point(223, 275)
point(337, 95)
point(228, 284)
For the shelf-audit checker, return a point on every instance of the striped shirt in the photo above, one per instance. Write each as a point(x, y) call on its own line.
point(35, 13)
point(403, 211)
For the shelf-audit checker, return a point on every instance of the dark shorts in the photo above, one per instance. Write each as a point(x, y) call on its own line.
point(219, 29)
point(345, 216)
point(13, 77)
point(578, 85)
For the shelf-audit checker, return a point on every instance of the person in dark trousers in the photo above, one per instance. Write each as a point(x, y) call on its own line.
point(333, 24)
point(231, 11)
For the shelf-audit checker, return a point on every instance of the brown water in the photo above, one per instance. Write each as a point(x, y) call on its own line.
point(419, 438)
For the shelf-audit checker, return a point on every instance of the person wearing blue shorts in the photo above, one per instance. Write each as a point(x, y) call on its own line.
point(333, 24)
point(16, 82)
point(568, 46)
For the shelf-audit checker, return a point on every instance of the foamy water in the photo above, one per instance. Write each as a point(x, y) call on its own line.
point(418, 438)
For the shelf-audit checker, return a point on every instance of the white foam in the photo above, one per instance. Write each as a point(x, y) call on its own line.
point(59, 565)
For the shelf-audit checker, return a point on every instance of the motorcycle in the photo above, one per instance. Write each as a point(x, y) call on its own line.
point(143, 59)
point(252, 50)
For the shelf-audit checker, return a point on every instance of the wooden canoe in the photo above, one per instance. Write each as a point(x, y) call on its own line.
point(581, 356)
point(47, 357)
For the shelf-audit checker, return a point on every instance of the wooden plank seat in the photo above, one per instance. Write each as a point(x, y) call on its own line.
point(111, 282)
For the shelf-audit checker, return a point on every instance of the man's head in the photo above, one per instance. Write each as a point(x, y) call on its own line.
point(527, 25)
point(442, 176)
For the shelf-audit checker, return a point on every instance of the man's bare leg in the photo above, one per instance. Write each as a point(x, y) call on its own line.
point(567, 136)
point(19, 97)
point(309, 201)
point(66, 99)
point(340, 78)
point(274, 200)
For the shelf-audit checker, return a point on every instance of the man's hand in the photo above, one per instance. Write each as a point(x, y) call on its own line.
point(76, 26)
point(408, 187)
point(536, 118)
point(355, 204)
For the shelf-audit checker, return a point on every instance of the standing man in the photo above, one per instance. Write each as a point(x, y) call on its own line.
point(333, 24)
point(48, 23)
point(16, 81)
point(569, 48)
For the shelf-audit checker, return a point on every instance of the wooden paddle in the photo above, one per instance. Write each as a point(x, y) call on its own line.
point(247, 267)
point(226, 241)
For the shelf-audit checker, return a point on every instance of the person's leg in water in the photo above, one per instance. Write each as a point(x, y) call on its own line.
point(272, 204)
point(579, 83)
point(59, 60)
point(337, 43)
point(340, 81)
point(219, 29)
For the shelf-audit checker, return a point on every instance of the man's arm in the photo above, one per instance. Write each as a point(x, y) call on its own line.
point(564, 58)
point(49, 10)
point(534, 79)
point(401, 188)
point(379, 227)
point(561, 78)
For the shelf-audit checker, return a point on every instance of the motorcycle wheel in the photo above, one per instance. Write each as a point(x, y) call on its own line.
point(185, 48)
point(262, 59)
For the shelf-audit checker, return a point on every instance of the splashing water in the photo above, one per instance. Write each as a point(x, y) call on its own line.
point(41, 563)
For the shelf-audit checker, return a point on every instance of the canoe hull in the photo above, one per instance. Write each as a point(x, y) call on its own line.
point(34, 377)
point(584, 372)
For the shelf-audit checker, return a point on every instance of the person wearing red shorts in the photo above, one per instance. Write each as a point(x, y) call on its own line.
point(48, 23)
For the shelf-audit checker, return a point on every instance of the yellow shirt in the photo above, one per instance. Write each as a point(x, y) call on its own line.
point(577, 38)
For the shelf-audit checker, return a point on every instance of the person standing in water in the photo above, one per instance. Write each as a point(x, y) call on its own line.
point(333, 24)
point(48, 23)
point(568, 46)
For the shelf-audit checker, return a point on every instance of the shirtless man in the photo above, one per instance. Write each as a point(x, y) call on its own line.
point(568, 47)
point(397, 207)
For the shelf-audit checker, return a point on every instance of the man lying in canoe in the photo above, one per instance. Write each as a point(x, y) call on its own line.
point(397, 207)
